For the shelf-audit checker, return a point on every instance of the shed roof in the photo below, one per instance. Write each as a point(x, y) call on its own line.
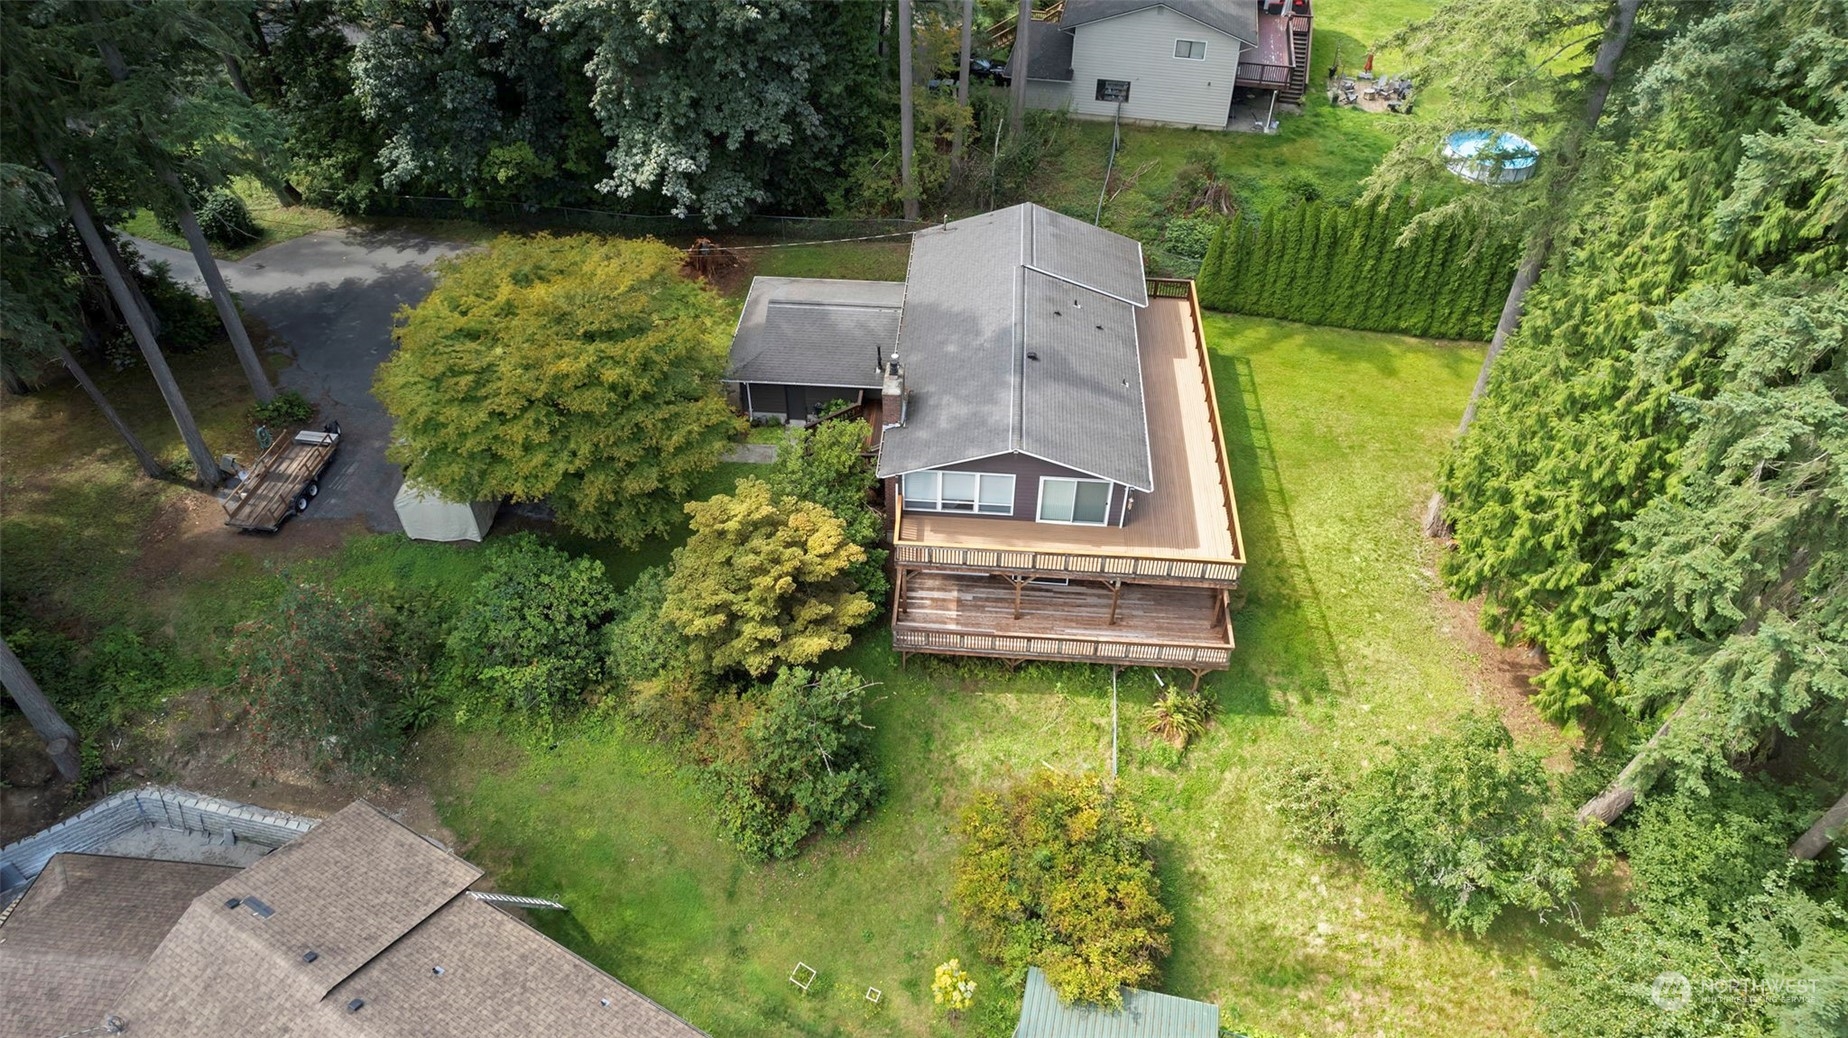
point(77, 937)
point(1145, 1014)
point(1019, 336)
point(816, 332)
point(1049, 52)
point(1236, 18)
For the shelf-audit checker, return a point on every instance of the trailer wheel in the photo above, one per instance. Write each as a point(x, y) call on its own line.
point(301, 503)
point(314, 488)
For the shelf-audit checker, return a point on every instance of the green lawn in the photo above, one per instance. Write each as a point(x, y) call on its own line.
point(1333, 435)
point(278, 223)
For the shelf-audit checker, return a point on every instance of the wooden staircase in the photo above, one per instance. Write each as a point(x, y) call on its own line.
point(1298, 85)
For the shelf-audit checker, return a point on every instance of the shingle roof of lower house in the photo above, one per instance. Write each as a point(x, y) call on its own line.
point(1049, 52)
point(390, 924)
point(1235, 18)
point(1145, 1014)
point(83, 930)
point(816, 332)
point(1019, 335)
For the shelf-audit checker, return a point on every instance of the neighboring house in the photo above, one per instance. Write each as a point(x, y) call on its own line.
point(1145, 1014)
point(1049, 436)
point(1176, 62)
point(358, 927)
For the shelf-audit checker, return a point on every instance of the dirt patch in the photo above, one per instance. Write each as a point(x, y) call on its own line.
point(1503, 674)
point(187, 539)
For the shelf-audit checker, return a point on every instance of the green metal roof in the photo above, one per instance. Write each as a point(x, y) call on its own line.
point(1145, 1014)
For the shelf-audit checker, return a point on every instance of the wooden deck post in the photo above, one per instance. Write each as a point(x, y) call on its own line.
point(1116, 592)
point(1019, 583)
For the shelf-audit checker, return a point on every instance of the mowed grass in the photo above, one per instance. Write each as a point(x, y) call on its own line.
point(1333, 436)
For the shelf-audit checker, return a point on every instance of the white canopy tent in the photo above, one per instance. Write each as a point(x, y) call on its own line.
point(428, 516)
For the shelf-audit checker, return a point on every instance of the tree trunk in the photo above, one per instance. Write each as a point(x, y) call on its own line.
point(202, 253)
point(1017, 69)
point(1603, 75)
point(908, 178)
point(1635, 777)
point(117, 281)
point(134, 284)
point(148, 464)
point(220, 292)
point(1832, 821)
point(962, 82)
point(60, 738)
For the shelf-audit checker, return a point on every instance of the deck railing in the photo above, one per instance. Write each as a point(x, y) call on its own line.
point(1015, 647)
point(1035, 562)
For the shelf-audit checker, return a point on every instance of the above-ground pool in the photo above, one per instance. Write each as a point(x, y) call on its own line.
point(1491, 156)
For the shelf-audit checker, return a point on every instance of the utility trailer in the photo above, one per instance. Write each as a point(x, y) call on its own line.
point(283, 480)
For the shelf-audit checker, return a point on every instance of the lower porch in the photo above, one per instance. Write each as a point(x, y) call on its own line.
point(1086, 621)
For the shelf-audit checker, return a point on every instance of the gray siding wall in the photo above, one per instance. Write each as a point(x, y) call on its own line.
point(792, 401)
point(1027, 472)
point(1140, 48)
point(1044, 93)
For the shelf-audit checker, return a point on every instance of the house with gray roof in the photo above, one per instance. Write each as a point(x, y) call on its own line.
point(1047, 430)
point(1169, 62)
point(358, 927)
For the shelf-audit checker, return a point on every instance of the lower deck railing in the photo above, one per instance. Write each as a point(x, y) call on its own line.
point(1137, 653)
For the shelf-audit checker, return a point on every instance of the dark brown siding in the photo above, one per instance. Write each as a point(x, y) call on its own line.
point(1027, 471)
point(794, 401)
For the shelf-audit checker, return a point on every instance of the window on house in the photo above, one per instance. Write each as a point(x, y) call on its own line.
point(1113, 90)
point(1083, 501)
point(989, 493)
point(1195, 49)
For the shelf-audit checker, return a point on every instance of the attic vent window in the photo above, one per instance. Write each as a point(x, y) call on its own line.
point(310, 956)
point(233, 903)
point(262, 910)
point(356, 1005)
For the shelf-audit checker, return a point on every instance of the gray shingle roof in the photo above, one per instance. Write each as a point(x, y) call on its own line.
point(1235, 18)
point(1049, 52)
point(816, 332)
point(382, 909)
point(1145, 1014)
point(81, 932)
point(987, 294)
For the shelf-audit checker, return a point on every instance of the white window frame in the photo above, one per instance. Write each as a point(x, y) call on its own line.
point(1039, 504)
point(976, 507)
point(1178, 56)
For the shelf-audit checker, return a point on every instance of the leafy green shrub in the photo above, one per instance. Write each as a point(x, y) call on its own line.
point(328, 675)
point(1179, 715)
point(225, 220)
point(1470, 825)
point(288, 407)
point(789, 758)
point(763, 581)
point(1056, 871)
point(652, 662)
point(1773, 963)
point(528, 646)
point(1188, 236)
point(1305, 794)
point(1686, 848)
point(827, 464)
point(187, 322)
point(118, 676)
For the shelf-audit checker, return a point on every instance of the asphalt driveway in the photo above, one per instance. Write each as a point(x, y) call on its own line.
point(332, 296)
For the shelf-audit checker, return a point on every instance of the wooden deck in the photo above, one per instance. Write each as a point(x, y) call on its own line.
point(968, 615)
point(1190, 515)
